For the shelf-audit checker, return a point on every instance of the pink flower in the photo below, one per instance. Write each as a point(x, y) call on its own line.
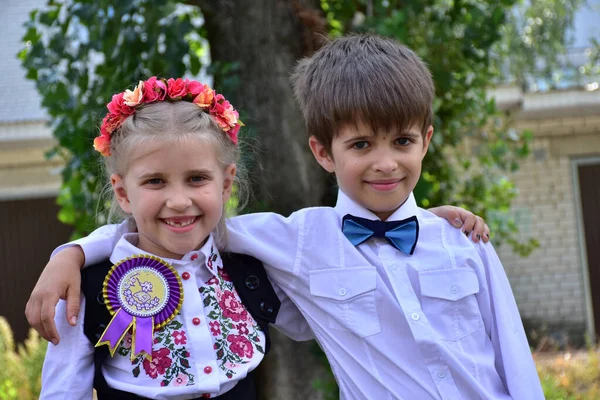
point(223, 113)
point(117, 105)
point(127, 340)
point(225, 276)
point(242, 328)
point(159, 364)
point(240, 346)
point(181, 380)
point(154, 90)
point(179, 337)
point(133, 98)
point(212, 281)
point(111, 123)
point(205, 97)
point(176, 88)
point(232, 307)
point(233, 133)
point(102, 145)
point(215, 328)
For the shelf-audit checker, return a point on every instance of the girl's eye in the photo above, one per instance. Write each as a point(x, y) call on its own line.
point(361, 145)
point(197, 179)
point(154, 181)
point(403, 141)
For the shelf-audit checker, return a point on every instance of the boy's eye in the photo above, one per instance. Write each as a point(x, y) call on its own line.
point(361, 145)
point(403, 141)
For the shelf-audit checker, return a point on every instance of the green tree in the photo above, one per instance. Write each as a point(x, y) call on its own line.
point(80, 52)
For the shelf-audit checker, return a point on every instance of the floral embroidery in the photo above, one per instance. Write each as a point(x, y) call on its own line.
point(236, 334)
point(169, 356)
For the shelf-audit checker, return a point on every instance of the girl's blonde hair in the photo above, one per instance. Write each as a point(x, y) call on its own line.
point(172, 122)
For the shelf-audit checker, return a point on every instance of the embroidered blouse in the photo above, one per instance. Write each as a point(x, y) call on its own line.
point(210, 345)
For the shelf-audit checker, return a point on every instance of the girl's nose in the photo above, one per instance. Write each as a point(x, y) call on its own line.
point(178, 200)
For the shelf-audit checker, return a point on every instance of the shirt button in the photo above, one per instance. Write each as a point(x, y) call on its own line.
point(415, 316)
point(342, 292)
point(194, 257)
point(453, 289)
point(185, 276)
point(207, 370)
point(441, 374)
point(196, 321)
point(394, 266)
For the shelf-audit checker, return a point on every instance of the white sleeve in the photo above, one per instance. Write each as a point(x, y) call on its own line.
point(68, 371)
point(98, 246)
point(290, 321)
point(502, 320)
point(269, 237)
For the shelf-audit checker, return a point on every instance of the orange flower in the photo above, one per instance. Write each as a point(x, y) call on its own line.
point(205, 97)
point(102, 145)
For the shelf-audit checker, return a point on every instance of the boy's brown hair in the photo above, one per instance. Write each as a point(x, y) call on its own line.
point(363, 78)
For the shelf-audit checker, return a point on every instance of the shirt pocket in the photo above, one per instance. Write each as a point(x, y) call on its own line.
point(449, 301)
point(347, 296)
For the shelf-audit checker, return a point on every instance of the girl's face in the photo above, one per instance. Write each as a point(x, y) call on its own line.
point(176, 193)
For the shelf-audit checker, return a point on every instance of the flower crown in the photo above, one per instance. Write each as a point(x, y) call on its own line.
point(156, 89)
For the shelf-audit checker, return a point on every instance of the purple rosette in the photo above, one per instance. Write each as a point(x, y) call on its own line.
point(143, 293)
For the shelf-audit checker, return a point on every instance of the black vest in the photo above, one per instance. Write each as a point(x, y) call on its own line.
point(251, 283)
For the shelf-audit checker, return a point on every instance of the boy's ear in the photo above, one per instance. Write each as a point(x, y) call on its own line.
point(427, 140)
point(228, 179)
point(321, 154)
point(120, 193)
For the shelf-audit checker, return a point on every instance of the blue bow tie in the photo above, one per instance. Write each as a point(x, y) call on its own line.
point(402, 235)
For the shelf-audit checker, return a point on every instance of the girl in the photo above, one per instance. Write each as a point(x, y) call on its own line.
point(173, 318)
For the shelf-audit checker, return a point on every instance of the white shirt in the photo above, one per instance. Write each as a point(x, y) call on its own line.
point(185, 361)
point(440, 324)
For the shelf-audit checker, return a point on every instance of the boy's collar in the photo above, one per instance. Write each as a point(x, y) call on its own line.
point(127, 247)
point(345, 205)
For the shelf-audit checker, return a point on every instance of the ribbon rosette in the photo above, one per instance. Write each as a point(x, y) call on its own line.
point(142, 293)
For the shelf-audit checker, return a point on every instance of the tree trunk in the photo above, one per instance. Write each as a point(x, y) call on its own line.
point(263, 39)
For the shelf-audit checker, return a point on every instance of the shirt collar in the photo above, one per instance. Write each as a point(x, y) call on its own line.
point(345, 205)
point(207, 256)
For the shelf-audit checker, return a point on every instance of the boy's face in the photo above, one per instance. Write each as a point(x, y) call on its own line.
point(378, 171)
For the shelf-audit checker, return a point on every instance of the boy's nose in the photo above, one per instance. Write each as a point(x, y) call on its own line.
point(385, 163)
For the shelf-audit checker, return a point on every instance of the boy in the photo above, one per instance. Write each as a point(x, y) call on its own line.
point(405, 308)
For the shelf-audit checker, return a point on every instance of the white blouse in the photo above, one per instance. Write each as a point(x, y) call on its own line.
point(211, 344)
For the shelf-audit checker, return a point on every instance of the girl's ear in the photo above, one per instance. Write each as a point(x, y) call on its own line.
point(120, 193)
point(228, 179)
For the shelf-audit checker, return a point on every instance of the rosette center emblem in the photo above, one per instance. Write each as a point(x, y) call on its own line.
point(143, 292)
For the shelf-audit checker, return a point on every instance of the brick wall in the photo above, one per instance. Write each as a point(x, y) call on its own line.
point(549, 285)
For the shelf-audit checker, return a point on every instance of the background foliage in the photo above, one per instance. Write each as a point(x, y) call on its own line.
point(20, 374)
point(81, 52)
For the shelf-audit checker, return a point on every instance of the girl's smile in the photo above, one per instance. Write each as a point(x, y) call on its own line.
point(175, 192)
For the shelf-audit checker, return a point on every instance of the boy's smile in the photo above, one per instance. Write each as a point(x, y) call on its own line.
point(378, 171)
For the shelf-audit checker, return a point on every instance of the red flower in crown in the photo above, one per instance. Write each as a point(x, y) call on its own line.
point(176, 88)
point(154, 89)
